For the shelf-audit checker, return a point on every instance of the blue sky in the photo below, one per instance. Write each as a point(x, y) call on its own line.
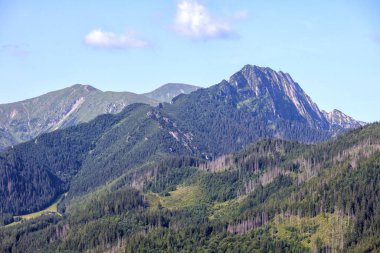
point(331, 48)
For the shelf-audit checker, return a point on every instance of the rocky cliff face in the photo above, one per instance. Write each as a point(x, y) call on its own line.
point(338, 118)
point(284, 98)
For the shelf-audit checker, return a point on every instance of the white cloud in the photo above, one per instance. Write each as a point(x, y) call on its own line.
point(195, 21)
point(99, 39)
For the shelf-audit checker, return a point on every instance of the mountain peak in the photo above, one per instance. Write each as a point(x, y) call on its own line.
point(85, 87)
point(284, 97)
point(167, 92)
point(336, 117)
point(255, 67)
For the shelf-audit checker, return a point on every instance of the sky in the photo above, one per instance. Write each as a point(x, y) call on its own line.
point(331, 48)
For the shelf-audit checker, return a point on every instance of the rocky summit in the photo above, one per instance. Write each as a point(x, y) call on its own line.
point(338, 118)
point(284, 97)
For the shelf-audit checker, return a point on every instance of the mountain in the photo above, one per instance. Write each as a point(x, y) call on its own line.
point(168, 91)
point(82, 158)
point(271, 196)
point(255, 103)
point(206, 172)
point(282, 97)
point(338, 118)
point(24, 120)
point(262, 90)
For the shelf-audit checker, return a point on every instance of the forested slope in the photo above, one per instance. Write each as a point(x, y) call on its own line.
point(205, 124)
point(272, 196)
point(210, 171)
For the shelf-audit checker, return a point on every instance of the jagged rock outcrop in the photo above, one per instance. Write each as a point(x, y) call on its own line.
point(284, 97)
point(338, 118)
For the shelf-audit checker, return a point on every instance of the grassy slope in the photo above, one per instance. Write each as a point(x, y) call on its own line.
point(183, 196)
point(52, 209)
point(325, 228)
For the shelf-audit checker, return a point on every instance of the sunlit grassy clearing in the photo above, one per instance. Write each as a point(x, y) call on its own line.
point(326, 228)
point(53, 208)
point(183, 196)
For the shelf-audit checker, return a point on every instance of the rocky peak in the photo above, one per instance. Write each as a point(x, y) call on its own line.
point(84, 87)
point(337, 117)
point(287, 98)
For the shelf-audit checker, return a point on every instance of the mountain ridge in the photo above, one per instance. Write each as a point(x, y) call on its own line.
point(336, 117)
point(248, 164)
point(24, 120)
point(167, 92)
point(204, 124)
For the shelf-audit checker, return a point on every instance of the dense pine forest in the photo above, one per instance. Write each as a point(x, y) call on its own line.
point(272, 196)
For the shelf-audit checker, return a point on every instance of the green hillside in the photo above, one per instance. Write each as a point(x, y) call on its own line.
point(222, 169)
point(25, 120)
point(273, 196)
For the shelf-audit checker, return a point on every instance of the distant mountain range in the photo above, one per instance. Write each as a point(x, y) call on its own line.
point(249, 164)
point(255, 103)
point(24, 120)
point(262, 89)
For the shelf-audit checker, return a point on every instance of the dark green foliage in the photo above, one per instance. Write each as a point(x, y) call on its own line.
point(219, 127)
point(206, 239)
point(220, 186)
point(28, 237)
point(204, 124)
point(35, 173)
point(6, 218)
point(108, 204)
point(166, 180)
point(349, 186)
point(158, 149)
point(136, 139)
